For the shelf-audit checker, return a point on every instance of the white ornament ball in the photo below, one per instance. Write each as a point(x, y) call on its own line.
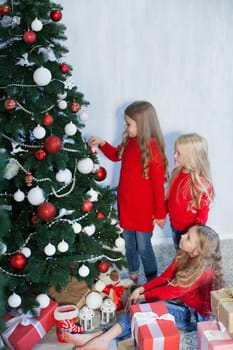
point(77, 227)
point(3, 248)
point(70, 129)
point(85, 166)
point(39, 132)
point(26, 251)
point(83, 271)
point(64, 175)
point(94, 300)
point(89, 230)
point(62, 104)
point(99, 286)
point(36, 25)
point(50, 249)
point(120, 243)
point(19, 196)
point(42, 76)
point(36, 196)
point(43, 300)
point(62, 246)
point(93, 195)
point(62, 96)
point(83, 117)
point(14, 300)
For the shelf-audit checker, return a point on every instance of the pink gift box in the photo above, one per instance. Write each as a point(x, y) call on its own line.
point(212, 336)
point(153, 328)
point(25, 337)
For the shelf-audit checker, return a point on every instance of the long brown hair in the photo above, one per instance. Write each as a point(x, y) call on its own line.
point(148, 127)
point(208, 258)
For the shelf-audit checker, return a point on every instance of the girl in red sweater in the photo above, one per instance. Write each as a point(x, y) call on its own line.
point(140, 195)
point(185, 287)
point(190, 189)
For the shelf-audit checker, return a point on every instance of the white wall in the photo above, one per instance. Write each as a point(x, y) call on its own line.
point(178, 54)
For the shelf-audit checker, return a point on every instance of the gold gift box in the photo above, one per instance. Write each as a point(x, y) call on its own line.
point(222, 306)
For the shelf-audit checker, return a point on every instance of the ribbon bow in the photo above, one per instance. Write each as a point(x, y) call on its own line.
point(23, 319)
point(141, 318)
point(117, 292)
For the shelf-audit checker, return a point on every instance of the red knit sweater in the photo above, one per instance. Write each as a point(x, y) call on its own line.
point(196, 296)
point(139, 200)
point(178, 199)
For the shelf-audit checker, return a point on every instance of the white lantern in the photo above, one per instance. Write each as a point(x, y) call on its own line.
point(77, 228)
point(86, 316)
point(108, 311)
point(62, 246)
point(42, 76)
point(83, 117)
point(39, 132)
point(83, 271)
point(62, 104)
point(85, 166)
point(50, 249)
point(14, 300)
point(43, 300)
point(70, 129)
point(94, 300)
point(36, 25)
point(36, 196)
point(19, 196)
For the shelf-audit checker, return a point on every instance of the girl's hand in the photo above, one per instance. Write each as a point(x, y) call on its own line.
point(160, 222)
point(136, 297)
point(95, 140)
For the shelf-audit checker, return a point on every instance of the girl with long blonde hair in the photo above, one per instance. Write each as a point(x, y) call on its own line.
point(140, 194)
point(190, 191)
point(184, 286)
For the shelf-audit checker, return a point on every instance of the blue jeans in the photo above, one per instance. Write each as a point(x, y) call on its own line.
point(138, 245)
point(181, 313)
point(176, 235)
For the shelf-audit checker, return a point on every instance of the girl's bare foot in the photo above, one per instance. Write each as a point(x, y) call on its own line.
point(97, 343)
point(79, 339)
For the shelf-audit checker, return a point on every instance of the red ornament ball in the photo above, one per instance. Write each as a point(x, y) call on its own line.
point(64, 68)
point(47, 119)
point(29, 37)
point(52, 144)
point(18, 261)
point(4, 9)
point(100, 174)
point(9, 104)
point(74, 107)
point(40, 154)
point(87, 206)
point(99, 215)
point(56, 15)
point(103, 267)
point(46, 211)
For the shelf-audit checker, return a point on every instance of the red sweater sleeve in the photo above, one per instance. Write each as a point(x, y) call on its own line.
point(203, 211)
point(110, 151)
point(156, 174)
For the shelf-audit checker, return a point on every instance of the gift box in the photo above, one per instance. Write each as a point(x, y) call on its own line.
point(212, 335)
point(126, 344)
point(222, 306)
point(153, 327)
point(24, 331)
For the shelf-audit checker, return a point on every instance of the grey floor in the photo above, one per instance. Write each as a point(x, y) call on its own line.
point(164, 254)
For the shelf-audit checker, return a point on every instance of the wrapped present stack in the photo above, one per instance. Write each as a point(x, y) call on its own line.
point(153, 327)
point(218, 334)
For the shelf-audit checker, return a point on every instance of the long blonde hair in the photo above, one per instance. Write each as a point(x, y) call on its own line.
point(148, 127)
point(208, 258)
point(193, 150)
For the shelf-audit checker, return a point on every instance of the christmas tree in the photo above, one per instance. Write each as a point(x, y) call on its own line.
point(62, 219)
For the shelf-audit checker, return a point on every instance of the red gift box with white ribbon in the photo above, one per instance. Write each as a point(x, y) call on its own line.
point(153, 327)
point(25, 330)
